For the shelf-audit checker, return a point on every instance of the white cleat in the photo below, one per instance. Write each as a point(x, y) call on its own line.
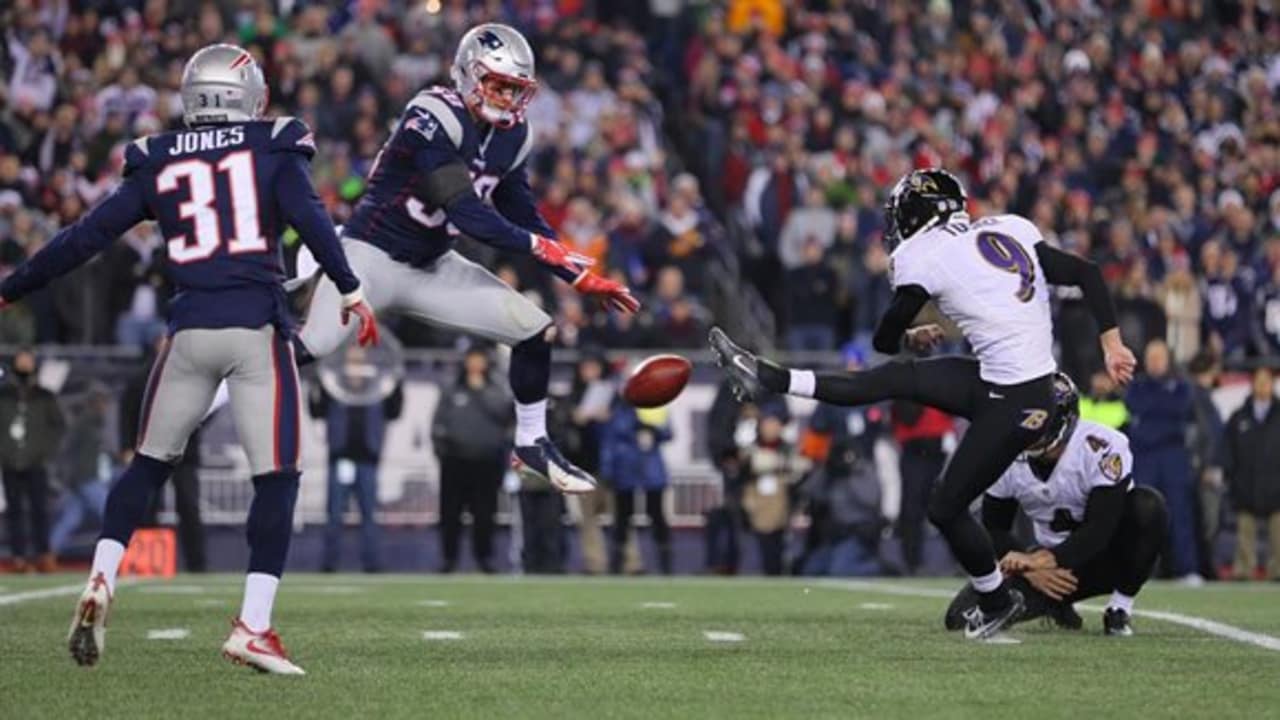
point(261, 651)
point(542, 461)
point(88, 631)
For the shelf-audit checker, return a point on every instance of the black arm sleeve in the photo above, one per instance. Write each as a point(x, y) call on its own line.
point(1102, 514)
point(908, 300)
point(997, 518)
point(1063, 268)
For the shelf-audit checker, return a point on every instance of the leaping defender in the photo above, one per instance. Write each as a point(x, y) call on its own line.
point(222, 192)
point(1076, 486)
point(991, 276)
point(452, 153)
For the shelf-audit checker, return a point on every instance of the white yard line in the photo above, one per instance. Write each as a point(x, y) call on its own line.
point(658, 605)
point(168, 634)
point(441, 635)
point(49, 592)
point(1205, 625)
point(721, 636)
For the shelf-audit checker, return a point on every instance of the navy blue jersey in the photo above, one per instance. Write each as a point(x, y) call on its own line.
point(1266, 317)
point(436, 130)
point(222, 195)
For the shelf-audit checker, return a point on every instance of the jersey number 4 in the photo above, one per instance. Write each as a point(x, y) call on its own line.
point(201, 207)
point(1004, 253)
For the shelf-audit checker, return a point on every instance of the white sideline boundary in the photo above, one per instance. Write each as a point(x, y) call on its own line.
point(51, 592)
point(1205, 625)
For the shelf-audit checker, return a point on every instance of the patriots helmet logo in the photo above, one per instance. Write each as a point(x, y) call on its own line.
point(490, 40)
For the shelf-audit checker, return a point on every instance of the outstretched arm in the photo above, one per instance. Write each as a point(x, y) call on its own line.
point(76, 244)
point(303, 210)
point(1062, 268)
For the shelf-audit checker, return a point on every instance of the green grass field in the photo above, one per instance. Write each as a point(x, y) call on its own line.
point(574, 648)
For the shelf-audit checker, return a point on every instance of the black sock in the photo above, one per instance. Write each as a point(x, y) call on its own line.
point(773, 377)
point(270, 522)
point(530, 369)
point(995, 601)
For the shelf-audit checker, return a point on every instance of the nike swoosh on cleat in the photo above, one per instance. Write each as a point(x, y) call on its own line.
point(740, 363)
point(260, 651)
point(995, 396)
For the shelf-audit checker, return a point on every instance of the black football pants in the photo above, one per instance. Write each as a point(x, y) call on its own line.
point(1004, 420)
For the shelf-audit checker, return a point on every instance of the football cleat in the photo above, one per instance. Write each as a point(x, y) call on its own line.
point(1115, 622)
point(88, 631)
point(740, 365)
point(261, 651)
point(542, 461)
point(983, 626)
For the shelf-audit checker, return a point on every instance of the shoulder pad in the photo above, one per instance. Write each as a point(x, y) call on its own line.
point(137, 155)
point(525, 147)
point(428, 106)
point(289, 134)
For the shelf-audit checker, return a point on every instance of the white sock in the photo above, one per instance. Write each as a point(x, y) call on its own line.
point(987, 583)
point(259, 596)
point(107, 555)
point(531, 422)
point(1121, 601)
point(803, 383)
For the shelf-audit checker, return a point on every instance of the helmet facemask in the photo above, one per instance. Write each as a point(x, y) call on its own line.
point(499, 99)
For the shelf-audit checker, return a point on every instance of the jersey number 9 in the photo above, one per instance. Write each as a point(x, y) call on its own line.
point(1005, 253)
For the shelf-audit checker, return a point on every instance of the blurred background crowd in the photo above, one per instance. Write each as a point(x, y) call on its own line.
point(728, 159)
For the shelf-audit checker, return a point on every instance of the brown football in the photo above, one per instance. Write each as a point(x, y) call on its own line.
point(657, 380)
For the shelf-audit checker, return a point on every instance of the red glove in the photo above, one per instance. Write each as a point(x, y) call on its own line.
point(613, 294)
point(556, 254)
point(354, 304)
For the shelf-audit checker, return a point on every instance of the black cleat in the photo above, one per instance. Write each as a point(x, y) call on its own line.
point(964, 601)
point(738, 364)
point(1064, 615)
point(1115, 622)
point(983, 626)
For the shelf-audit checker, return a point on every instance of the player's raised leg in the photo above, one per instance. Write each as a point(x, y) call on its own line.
point(950, 383)
point(178, 393)
point(265, 399)
point(323, 331)
point(457, 293)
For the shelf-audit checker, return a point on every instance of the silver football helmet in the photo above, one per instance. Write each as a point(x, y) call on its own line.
point(222, 83)
point(493, 72)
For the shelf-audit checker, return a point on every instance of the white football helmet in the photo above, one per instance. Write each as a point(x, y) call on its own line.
point(493, 72)
point(222, 83)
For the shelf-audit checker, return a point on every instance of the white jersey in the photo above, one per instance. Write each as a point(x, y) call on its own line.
point(986, 277)
point(1095, 456)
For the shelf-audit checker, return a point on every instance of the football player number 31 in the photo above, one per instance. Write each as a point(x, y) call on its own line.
point(202, 205)
point(1005, 253)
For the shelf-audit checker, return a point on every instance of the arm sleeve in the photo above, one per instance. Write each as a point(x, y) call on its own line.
point(515, 200)
point(997, 517)
point(75, 245)
point(908, 300)
point(303, 210)
point(1102, 513)
point(1062, 268)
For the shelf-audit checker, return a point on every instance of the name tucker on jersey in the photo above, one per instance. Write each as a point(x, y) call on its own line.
point(201, 140)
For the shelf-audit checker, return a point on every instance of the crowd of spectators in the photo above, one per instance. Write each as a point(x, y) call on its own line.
point(671, 133)
point(1144, 135)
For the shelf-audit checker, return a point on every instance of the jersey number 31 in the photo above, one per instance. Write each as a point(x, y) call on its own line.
point(201, 207)
point(1005, 253)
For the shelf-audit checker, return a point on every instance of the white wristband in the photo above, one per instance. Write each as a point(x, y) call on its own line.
point(353, 298)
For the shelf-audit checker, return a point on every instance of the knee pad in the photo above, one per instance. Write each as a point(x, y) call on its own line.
point(942, 509)
point(1148, 509)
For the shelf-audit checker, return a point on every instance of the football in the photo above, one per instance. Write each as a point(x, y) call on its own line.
point(656, 381)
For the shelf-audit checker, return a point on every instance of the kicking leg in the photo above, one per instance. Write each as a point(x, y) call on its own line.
point(950, 384)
